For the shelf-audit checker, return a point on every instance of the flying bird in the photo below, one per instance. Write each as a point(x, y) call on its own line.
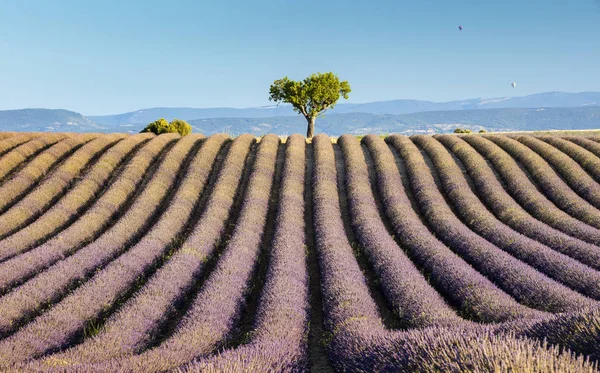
point(460, 28)
point(514, 84)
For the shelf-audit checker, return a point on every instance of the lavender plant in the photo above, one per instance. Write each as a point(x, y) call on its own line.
point(23, 266)
point(55, 184)
point(576, 222)
point(75, 201)
point(548, 181)
point(520, 280)
point(14, 188)
point(572, 173)
point(586, 159)
point(476, 216)
point(22, 153)
point(505, 208)
point(471, 293)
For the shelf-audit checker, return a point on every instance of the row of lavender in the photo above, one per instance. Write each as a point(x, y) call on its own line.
point(247, 231)
point(480, 265)
point(202, 329)
point(34, 203)
point(360, 341)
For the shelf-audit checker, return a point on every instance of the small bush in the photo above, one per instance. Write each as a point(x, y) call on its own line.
point(461, 130)
point(162, 126)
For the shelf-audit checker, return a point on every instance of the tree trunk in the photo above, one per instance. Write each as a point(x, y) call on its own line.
point(311, 128)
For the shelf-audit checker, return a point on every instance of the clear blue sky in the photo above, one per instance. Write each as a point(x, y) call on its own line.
point(103, 57)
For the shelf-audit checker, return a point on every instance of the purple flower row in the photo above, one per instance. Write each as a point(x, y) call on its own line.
point(22, 153)
point(522, 189)
point(586, 159)
point(586, 143)
point(75, 201)
point(491, 191)
point(12, 142)
point(128, 330)
point(6, 135)
point(35, 170)
point(347, 304)
point(60, 324)
point(476, 216)
point(134, 326)
point(213, 313)
point(572, 173)
point(52, 283)
point(474, 295)
point(415, 302)
point(457, 350)
point(576, 331)
point(279, 338)
point(524, 283)
point(26, 299)
point(546, 179)
point(361, 344)
point(55, 184)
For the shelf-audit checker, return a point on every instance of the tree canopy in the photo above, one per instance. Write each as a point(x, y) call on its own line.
point(310, 97)
point(161, 126)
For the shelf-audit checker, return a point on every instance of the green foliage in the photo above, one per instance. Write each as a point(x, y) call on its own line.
point(312, 96)
point(461, 130)
point(482, 131)
point(181, 126)
point(162, 126)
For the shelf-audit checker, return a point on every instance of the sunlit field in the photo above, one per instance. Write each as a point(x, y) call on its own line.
point(446, 253)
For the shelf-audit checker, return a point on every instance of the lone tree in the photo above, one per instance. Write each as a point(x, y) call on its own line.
point(310, 97)
point(162, 126)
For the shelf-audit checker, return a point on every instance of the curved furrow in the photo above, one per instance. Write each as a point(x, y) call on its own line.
point(345, 292)
point(14, 159)
point(91, 186)
point(244, 328)
point(92, 223)
point(572, 173)
point(522, 189)
point(414, 301)
point(6, 135)
point(167, 230)
point(586, 159)
point(471, 293)
point(317, 334)
point(505, 208)
point(216, 309)
point(577, 331)
point(63, 322)
point(23, 303)
point(54, 186)
point(546, 179)
point(22, 182)
point(455, 350)
point(359, 342)
point(386, 312)
point(476, 216)
point(518, 279)
point(12, 142)
point(586, 143)
point(279, 341)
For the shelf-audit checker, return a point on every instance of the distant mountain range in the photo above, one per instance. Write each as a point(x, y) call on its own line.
point(47, 120)
point(540, 100)
point(514, 119)
point(552, 110)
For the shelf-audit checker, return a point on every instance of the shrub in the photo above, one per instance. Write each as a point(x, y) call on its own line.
point(162, 126)
point(461, 130)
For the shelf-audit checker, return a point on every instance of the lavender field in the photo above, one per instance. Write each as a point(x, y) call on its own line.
point(446, 253)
